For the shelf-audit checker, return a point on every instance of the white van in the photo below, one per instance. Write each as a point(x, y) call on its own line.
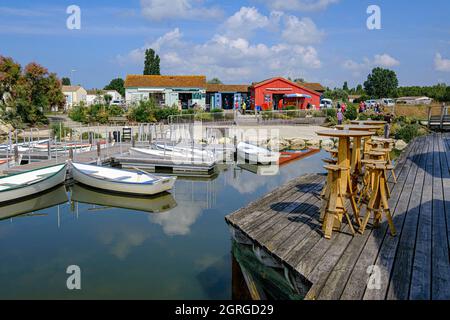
point(326, 104)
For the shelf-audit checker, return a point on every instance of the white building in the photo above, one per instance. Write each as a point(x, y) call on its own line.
point(414, 100)
point(95, 96)
point(74, 95)
point(181, 91)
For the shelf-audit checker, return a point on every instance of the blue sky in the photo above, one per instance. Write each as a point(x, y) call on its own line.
point(323, 41)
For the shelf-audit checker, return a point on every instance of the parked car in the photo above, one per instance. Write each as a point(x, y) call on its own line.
point(371, 103)
point(387, 102)
point(117, 103)
point(326, 104)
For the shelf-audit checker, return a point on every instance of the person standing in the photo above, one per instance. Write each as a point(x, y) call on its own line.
point(387, 125)
point(340, 116)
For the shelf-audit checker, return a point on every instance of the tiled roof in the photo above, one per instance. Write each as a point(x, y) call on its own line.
point(227, 87)
point(297, 84)
point(165, 81)
point(95, 91)
point(313, 86)
point(70, 88)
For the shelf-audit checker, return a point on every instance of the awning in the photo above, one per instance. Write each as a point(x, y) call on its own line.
point(297, 95)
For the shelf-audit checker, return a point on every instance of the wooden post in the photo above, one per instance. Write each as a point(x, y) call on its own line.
point(71, 154)
point(442, 117)
point(16, 154)
point(429, 116)
point(109, 137)
point(133, 142)
point(98, 149)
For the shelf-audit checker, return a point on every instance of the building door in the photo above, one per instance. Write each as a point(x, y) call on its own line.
point(276, 100)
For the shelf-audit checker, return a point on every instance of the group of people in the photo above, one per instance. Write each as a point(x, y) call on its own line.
point(363, 107)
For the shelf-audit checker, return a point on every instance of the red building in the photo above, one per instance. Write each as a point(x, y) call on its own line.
point(268, 94)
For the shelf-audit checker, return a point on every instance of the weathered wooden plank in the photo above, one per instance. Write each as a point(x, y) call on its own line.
point(288, 238)
point(420, 288)
point(356, 284)
point(446, 183)
point(260, 214)
point(386, 256)
point(401, 272)
point(280, 210)
point(293, 211)
point(267, 199)
point(332, 283)
point(440, 267)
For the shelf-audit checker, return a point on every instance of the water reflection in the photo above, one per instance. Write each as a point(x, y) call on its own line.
point(154, 204)
point(27, 206)
point(178, 248)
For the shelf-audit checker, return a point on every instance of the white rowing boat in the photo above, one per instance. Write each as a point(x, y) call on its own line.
point(175, 156)
point(156, 204)
point(121, 181)
point(187, 151)
point(257, 155)
point(25, 184)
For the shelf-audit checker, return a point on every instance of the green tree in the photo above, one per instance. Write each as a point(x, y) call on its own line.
point(28, 94)
point(65, 81)
point(360, 90)
point(117, 84)
point(215, 81)
point(336, 95)
point(107, 98)
point(152, 63)
point(381, 83)
point(345, 87)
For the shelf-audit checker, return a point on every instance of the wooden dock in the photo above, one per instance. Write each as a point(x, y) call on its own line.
point(414, 265)
point(89, 157)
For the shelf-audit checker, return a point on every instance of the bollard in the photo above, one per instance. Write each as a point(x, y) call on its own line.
point(98, 150)
point(71, 154)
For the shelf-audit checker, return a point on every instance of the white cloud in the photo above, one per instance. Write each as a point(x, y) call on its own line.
point(385, 60)
point(301, 5)
point(379, 60)
point(158, 10)
point(230, 59)
point(246, 20)
point(301, 31)
point(441, 64)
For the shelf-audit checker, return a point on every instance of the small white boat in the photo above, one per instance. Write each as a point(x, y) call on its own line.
point(188, 151)
point(175, 156)
point(257, 155)
point(25, 184)
point(121, 181)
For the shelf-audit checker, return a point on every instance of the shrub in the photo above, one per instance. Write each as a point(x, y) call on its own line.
point(363, 117)
point(408, 132)
point(164, 113)
point(60, 130)
point(78, 114)
point(351, 113)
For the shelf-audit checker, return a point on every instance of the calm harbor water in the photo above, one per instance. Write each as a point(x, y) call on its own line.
point(176, 246)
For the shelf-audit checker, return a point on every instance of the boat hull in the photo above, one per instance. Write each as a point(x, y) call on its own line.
point(44, 185)
point(122, 187)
